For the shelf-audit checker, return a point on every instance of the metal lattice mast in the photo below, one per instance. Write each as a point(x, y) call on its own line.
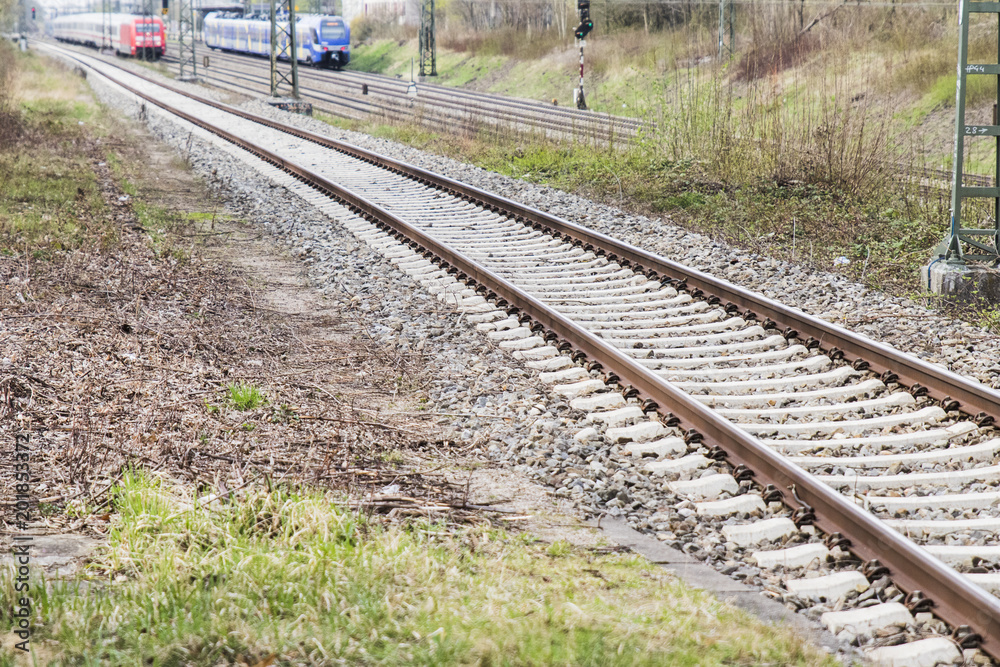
point(726, 28)
point(22, 25)
point(959, 235)
point(284, 45)
point(148, 12)
point(107, 43)
point(428, 43)
point(185, 41)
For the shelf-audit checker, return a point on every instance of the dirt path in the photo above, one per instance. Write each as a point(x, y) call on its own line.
point(129, 355)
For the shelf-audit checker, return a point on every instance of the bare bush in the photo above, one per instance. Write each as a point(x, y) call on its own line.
point(379, 26)
point(10, 115)
point(777, 41)
point(753, 131)
point(503, 41)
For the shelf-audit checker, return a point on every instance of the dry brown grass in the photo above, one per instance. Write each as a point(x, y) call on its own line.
point(122, 337)
point(768, 57)
point(10, 115)
point(504, 42)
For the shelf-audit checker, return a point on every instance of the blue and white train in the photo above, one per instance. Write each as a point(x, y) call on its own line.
point(324, 41)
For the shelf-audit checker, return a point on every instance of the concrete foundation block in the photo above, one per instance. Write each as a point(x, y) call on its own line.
point(971, 282)
point(747, 503)
point(865, 621)
point(799, 556)
point(705, 488)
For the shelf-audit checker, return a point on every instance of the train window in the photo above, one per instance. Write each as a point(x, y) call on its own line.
point(332, 30)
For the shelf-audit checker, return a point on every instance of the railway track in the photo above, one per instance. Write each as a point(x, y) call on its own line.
point(867, 479)
point(339, 93)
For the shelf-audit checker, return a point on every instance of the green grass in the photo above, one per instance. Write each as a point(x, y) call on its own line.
point(50, 196)
point(978, 89)
point(51, 199)
point(390, 57)
point(160, 224)
point(380, 56)
point(289, 577)
point(244, 396)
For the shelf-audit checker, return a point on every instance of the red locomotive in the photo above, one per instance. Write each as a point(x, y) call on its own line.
point(130, 34)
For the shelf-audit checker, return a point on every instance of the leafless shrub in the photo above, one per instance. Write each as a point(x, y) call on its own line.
point(742, 132)
point(771, 56)
point(777, 41)
point(379, 26)
point(10, 116)
point(525, 44)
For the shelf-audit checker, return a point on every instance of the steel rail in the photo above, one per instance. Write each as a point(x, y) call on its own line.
point(332, 103)
point(500, 100)
point(453, 109)
point(624, 125)
point(553, 117)
point(956, 600)
point(972, 397)
point(392, 87)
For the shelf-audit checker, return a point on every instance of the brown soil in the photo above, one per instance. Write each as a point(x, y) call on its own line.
point(123, 356)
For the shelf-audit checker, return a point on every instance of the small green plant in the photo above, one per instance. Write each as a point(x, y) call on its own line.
point(393, 456)
point(989, 319)
point(245, 396)
point(47, 509)
point(559, 549)
point(284, 414)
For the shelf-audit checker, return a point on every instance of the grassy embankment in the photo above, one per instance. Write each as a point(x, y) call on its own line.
point(277, 574)
point(50, 198)
point(797, 148)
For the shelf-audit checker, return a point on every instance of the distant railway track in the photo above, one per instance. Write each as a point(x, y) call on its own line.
point(459, 110)
point(768, 421)
point(339, 93)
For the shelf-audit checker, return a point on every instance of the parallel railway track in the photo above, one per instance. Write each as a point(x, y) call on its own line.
point(763, 418)
point(339, 93)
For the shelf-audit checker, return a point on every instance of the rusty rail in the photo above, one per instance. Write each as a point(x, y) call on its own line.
point(956, 600)
point(941, 384)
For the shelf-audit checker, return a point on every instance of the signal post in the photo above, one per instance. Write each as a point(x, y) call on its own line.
point(582, 30)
